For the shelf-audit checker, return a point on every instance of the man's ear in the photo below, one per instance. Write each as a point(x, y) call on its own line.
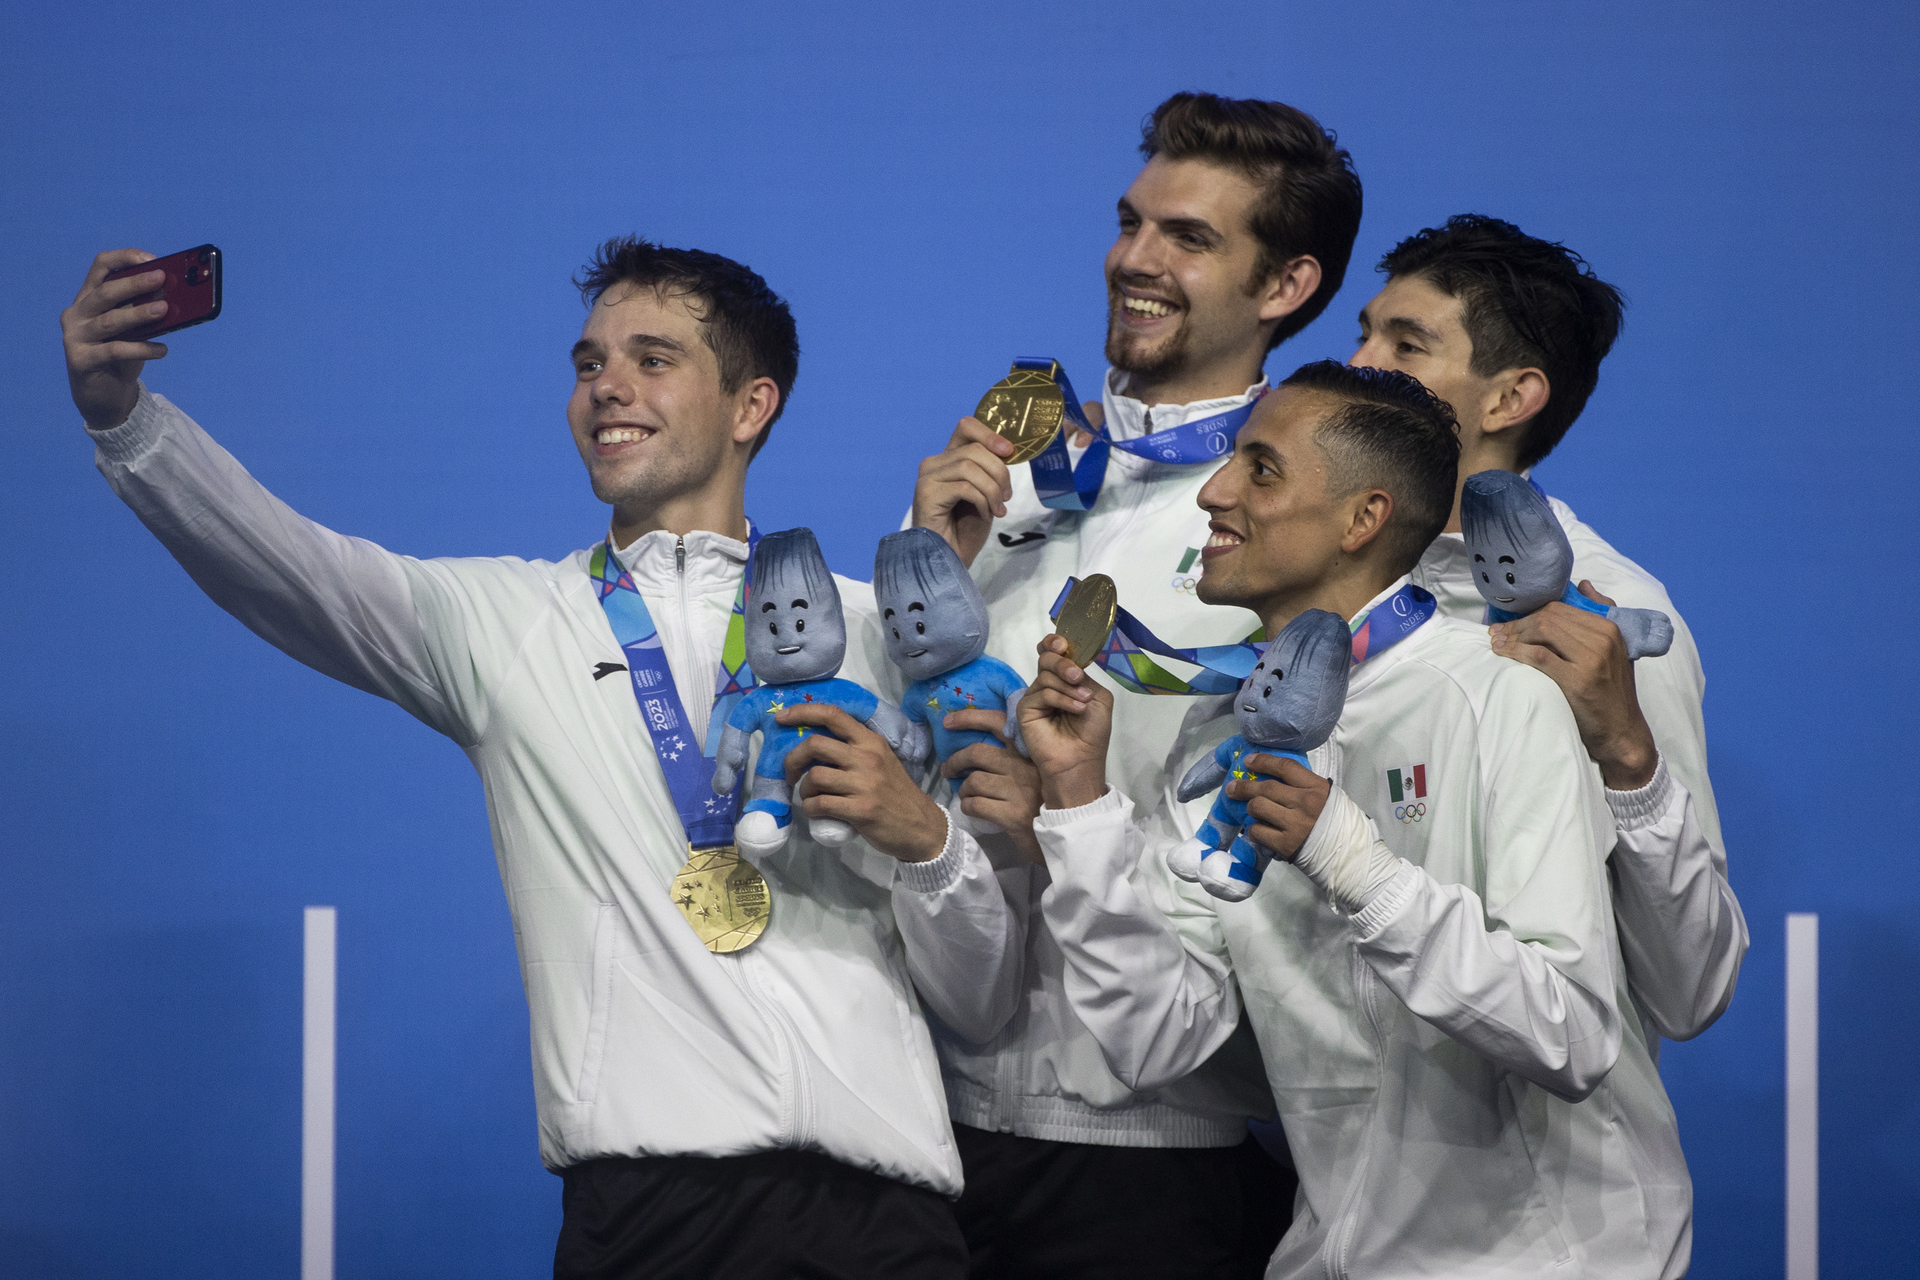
point(1287, 290)
point(1518, 396)
point(1368, 513)
point(754, 407)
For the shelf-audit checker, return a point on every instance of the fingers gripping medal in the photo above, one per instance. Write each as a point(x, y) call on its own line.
point(723, 898)
point(1027, 407)
point(1086, 619)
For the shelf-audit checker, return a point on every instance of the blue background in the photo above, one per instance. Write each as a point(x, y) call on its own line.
point(402, 197)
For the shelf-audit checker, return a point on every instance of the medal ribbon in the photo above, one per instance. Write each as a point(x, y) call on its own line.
point(707, 817)
point(1224, 666)
point(1068, 487)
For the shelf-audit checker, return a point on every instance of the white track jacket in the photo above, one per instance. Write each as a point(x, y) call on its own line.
point(1043, 1075)
point(1459, 1090)
point(644, 1043)
point(1681, 928)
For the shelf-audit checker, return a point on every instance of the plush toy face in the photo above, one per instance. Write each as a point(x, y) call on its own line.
point(932, 615)
point(1295, 695)
point(1520, 555)
point(795, 630)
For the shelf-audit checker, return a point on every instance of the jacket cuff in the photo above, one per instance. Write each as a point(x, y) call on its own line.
point(1387, 901)
point(1106, 804)
point(938, 873)
point(1642, 808)
point(128, 441)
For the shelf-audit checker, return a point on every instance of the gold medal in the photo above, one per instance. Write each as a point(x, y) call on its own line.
point(724, 898)
point(1025, 407)
point(1086, 619)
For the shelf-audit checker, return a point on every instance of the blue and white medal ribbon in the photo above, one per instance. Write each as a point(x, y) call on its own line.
point(1065, 486)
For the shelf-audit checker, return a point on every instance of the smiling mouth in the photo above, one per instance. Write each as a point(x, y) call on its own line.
point(1504, 599)
point(917, 653)
point(621, 434)
point(1219, 542)
point(786, 649)
point(1249, 706)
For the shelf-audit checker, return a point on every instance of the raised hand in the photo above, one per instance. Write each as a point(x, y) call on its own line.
point(1585, 654)
point(962, 488)
point(103, 369)
point(1282, 806)
point(1066, 719)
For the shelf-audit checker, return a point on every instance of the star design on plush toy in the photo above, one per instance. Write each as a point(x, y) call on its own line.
point(1241, 773)
point(777, 704)
point(933, 700)
point(806, 697)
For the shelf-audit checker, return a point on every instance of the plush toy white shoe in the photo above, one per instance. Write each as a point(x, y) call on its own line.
point(1184, 858)
point(1216, 879)
point(830, 831)
point(757, 833)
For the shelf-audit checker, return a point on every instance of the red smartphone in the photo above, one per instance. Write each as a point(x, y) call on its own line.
point(192, 290)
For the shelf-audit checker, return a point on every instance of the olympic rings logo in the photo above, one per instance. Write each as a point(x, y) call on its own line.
point(1410, 812)
point(1185, 585)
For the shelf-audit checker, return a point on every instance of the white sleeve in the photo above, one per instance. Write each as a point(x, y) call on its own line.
point(964, 924)
point(343, 606)
point(1523, 972)
point(1682, 933)
point(1146, 966)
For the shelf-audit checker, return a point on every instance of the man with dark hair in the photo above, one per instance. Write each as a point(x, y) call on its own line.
point(1235, 233)
point(1434, 983)
point(1511, 330)
point(726, 1091)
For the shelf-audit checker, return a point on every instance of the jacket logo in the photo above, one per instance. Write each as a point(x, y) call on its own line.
point(1030, 535)
point(1407, 788)
point(601, 670)
point(1184, 582)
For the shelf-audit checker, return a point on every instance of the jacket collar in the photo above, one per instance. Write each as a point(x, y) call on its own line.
point(1129, 419)
point(713, 562)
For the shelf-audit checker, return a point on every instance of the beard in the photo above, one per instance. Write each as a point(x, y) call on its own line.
point(636, 490)
point(1131, 355)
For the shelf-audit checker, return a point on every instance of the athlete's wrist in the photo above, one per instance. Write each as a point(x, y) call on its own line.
point(1627, 761)
point(1075, 787)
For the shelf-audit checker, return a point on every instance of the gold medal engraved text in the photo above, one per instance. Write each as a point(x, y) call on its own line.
point(1026, 408)
point(1086, 619)
point(724, 898)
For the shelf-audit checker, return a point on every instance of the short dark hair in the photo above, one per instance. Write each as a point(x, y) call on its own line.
point(1392, 434)
point(1524, 302)
point(1309, 199)
point(748, 326)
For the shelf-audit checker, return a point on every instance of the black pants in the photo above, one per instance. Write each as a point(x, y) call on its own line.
point(1058, 1210)
point(774, 1214)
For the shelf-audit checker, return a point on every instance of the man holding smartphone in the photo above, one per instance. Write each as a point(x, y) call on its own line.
point(718, 1100)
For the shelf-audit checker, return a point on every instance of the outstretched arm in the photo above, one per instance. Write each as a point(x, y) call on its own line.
point(387, 624)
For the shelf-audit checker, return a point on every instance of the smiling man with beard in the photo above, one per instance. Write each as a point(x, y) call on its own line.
point(1232, 238)
point(718, 1101)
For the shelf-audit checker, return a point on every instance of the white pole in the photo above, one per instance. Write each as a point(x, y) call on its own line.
point(1803, 1097)
point(316, 1100)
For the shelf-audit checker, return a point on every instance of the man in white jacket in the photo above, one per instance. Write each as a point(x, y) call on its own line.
point(1510, 330)
point(761, 1112)
point(1233, 237)
point(1435, 982)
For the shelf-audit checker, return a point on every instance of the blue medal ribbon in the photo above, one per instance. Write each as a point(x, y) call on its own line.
point(1125, 658)
point(1065, 486)
point(688, 765)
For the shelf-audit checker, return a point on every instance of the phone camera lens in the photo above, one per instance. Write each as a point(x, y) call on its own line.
point(206, 256)
point(193, 275)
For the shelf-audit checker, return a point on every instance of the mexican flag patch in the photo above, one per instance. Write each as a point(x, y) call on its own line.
point(1407, 784)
